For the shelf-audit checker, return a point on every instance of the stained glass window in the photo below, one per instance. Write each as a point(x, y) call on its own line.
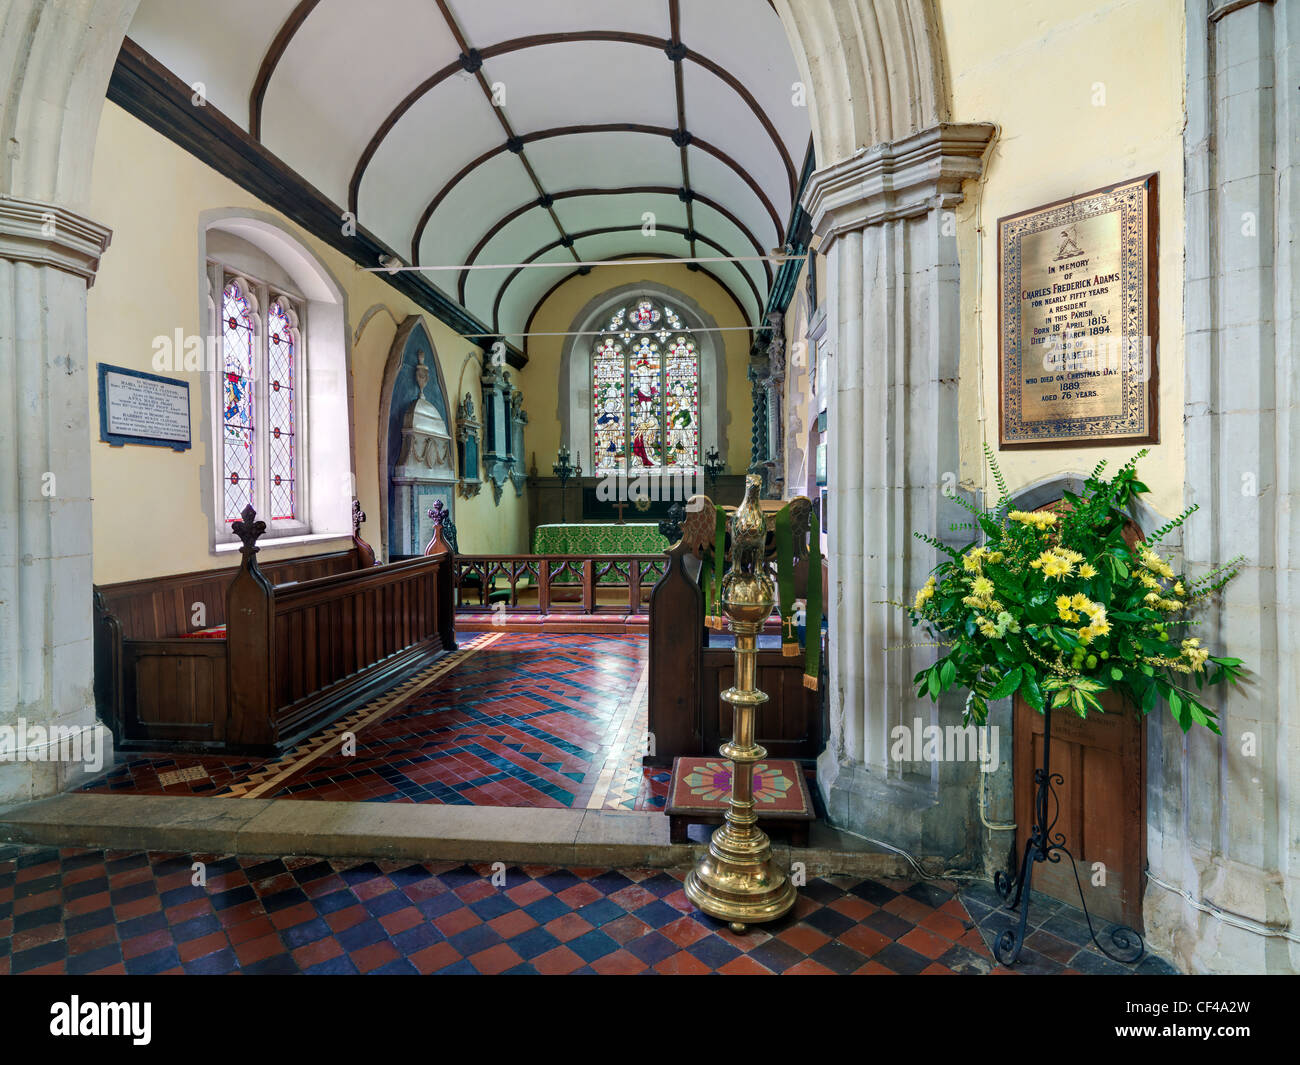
point(281, 410)
point(682, 405)
point(609, 404)
point(238, 345)
point(645, 393)
point(260, 373)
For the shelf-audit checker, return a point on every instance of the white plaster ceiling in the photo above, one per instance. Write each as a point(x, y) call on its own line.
point(335, 73)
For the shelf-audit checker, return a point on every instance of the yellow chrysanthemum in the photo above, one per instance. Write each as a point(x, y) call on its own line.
point(1086, 571)
point(1055, 566)
point(1155, 563)
point(1090, 632)
point(1040, 519)
point(1195, 654)
point(924, 595)
point(982, 586)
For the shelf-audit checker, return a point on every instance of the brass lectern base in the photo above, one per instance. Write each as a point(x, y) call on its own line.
point(741, 892)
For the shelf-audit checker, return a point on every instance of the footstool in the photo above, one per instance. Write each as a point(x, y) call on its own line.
point(700, 794)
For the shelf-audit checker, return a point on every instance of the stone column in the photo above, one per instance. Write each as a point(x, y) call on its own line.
point(1222, 814)
point(894, 306)
point(55, 60)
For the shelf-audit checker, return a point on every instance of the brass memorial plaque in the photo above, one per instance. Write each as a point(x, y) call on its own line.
point(1077, 320)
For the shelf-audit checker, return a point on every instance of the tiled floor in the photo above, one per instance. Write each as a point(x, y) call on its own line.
point(518, 720)
point(1057, 937)
point(87, 911)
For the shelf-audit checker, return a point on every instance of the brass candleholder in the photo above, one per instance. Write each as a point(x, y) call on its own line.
point(737, 880)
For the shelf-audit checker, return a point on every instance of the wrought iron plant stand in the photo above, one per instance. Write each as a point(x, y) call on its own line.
point(1047, 845)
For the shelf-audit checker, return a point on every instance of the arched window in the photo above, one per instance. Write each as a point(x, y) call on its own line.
point(238, 419)
point(645, 392)
point(261, 357)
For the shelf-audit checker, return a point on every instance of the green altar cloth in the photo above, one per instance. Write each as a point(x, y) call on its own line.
point(599, 539)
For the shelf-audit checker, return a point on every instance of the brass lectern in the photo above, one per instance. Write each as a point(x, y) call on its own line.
point(737, 880)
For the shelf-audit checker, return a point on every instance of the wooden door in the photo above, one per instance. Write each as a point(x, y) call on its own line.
point(1102, 805)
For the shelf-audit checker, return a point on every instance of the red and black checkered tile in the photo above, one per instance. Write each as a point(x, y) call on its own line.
point(89, 911)
point(529, 721)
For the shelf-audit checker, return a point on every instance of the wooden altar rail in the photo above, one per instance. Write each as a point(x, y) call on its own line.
point(564, 584)
point(294, 655)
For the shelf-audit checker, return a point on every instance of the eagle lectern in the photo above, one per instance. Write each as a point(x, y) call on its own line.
point(737, 880)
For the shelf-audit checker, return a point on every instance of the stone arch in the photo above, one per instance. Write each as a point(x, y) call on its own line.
point(59, 56)
point(874, 70)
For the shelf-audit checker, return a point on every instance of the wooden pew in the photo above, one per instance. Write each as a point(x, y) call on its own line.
point(690, 666)
point(332, 633)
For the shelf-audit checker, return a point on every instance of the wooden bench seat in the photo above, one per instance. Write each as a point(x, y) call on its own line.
point(332, 633)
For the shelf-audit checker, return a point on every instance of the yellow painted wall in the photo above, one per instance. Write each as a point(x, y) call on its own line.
point(540, 379)
point(1085, 93)
point(148, 502)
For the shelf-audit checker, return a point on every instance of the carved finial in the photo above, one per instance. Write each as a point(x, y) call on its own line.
point(438, 512)
point(358, 516)
point(248, 530)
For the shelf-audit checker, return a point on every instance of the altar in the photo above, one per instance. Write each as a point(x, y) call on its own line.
point(599, 538)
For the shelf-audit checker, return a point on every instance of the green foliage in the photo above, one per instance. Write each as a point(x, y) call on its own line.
point(1058, 608)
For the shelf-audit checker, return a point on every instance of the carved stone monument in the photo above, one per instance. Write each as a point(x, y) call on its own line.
point(424, 469)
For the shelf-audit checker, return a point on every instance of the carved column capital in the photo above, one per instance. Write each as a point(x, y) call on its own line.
point(903, 179)
point(45, 233)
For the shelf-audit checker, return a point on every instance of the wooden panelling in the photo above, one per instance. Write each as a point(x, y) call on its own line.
point(788, 724)
point(1102, 810)
point(158, 607)
point(296, 654)
point(687, 679)
point(176, 690)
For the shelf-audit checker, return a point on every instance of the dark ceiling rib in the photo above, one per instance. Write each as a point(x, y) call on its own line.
point(631, 190)
point(575, 273)
point(680, 230)
point(150, 92)
point(604, 127)
point(542, 39)
point(471, 60)
point(676, 51)
point(269, 61)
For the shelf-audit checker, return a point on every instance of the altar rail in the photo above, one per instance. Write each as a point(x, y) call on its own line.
point(562, 593)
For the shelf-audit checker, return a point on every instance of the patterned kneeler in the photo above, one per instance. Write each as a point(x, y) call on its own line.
point(700, 793)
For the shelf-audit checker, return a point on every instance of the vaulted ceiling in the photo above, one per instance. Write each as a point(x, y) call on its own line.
point(487, 132)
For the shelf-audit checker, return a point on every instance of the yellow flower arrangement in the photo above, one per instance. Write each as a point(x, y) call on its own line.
point(1085, 612)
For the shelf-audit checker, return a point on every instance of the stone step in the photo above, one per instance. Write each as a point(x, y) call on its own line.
point(424, 832)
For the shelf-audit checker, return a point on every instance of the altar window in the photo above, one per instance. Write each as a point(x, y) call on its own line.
point(645, 388)
point(260, 345)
